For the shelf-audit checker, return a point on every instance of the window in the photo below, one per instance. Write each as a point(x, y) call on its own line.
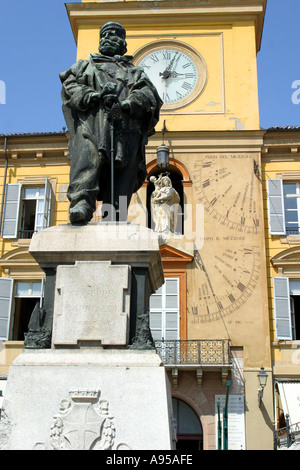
point(164, 311)
point(291, 192)
point(32, 211)
point(295, 308)
point(17, 301)
point(27, 210)
point(284, 207)
point(287, 308)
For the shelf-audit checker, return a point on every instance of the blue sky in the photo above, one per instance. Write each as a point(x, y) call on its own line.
point(36, 43)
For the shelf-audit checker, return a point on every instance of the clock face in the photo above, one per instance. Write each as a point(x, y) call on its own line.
point(178, 73)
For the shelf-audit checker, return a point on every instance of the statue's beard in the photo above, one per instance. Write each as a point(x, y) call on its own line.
point(112, 48)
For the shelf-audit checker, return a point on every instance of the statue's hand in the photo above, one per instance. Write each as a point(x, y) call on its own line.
point(95, 98)
point(125, 106)
point(109, 100)
point(109, 88)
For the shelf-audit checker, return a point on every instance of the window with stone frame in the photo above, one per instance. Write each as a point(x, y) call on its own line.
point(291, 195)
point(27, 209)
point(17, 301)
point(287, 308)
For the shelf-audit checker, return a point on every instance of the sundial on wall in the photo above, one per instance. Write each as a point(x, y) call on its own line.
point(226, 278)
point(228, 264)
point(227, 189)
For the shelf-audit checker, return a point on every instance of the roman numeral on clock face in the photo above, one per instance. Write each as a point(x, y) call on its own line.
point(154, 57)
point(166, 55)
point(186, 86)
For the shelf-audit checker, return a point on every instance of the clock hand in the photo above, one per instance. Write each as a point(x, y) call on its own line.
point(175, 74)
point(172, 62)
point(167, 73)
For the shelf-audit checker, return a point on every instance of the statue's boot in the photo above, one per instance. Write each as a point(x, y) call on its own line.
point(80, 213)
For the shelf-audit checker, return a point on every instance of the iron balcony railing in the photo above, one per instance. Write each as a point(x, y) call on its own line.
point(292, 230)
point(26, 234)
point(189, 352)
point(287, 436)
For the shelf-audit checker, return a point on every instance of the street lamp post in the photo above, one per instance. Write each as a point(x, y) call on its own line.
point(163, 152)
point(262, 378)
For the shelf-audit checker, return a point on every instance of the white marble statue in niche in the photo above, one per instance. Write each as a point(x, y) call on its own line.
point(164, 204)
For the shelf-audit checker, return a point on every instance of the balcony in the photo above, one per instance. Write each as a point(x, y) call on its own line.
point(198, 354)
point(288, 437)
point(25, 234)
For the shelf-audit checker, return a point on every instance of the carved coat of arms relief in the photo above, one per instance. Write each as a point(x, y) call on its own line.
point(83, 423)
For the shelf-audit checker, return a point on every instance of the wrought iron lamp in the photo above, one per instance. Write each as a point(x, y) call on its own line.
point(163, 152)
point(262, 378)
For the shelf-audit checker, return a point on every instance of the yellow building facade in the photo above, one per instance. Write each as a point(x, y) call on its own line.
point(34, 175)
point(280, 176)
point(212, 321)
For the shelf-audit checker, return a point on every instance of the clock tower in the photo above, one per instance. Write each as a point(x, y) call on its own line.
point(215, 43)
point(201, 56)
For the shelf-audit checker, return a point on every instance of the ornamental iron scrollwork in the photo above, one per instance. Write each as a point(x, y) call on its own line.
point(194, 351)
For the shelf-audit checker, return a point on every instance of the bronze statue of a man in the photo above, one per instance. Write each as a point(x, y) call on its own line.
point(107, 90)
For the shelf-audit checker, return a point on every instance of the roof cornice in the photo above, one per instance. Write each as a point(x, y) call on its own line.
point(148, 12)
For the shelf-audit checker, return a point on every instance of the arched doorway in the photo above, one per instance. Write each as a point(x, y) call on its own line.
point(189, 429)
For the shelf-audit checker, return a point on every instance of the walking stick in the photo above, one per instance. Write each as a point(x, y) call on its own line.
point(114, 115)
point(112, 157)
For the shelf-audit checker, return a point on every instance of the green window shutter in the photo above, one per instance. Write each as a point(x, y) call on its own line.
point(11, 211)
point(282, 308)
point(276, 207)
point(6, 293)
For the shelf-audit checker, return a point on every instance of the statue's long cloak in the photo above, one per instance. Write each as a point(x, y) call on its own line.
point(90, 122)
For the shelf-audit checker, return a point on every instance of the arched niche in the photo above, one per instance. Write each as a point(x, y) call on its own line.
point(180, 178)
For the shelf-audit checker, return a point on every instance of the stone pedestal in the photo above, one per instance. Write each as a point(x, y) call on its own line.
point(104, 275)
point(101, 385)
point(87, 399)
